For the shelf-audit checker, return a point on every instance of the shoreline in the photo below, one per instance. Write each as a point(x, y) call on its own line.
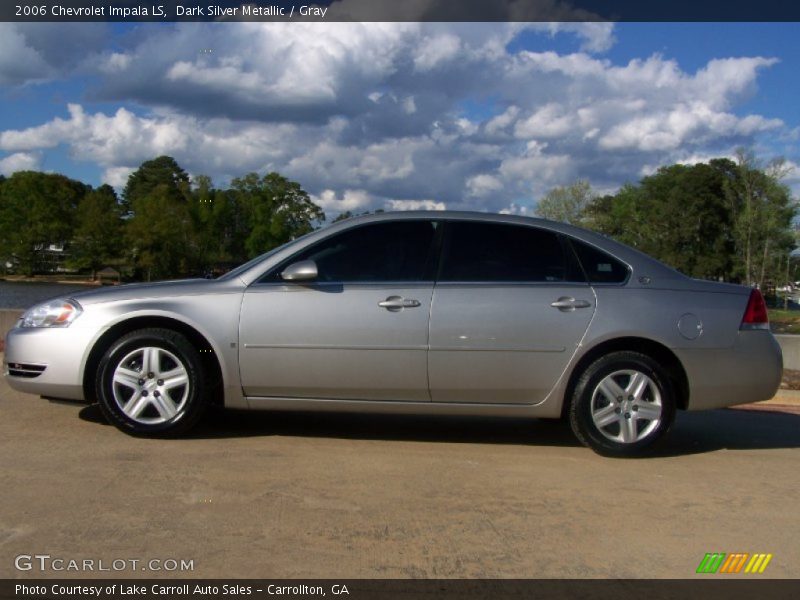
point(49, 279)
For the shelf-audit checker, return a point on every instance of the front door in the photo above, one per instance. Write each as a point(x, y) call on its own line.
point(359, 331)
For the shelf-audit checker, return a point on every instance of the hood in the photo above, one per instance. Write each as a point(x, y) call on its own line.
point(159, 289)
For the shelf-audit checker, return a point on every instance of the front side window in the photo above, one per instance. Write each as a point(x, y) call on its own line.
point(393, 251)
point(486, 252)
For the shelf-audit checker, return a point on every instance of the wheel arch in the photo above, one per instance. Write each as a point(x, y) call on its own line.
point(656, 350)
point(197, 339)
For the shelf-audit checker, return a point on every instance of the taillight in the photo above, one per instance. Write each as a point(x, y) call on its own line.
point(755, 315)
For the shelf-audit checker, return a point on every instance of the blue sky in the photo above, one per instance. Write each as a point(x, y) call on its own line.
point(394, 116)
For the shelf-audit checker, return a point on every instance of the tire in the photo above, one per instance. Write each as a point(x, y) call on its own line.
point(151, 383)
point(613, 399)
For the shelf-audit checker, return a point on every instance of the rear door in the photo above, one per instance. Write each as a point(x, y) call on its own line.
point(510, 306)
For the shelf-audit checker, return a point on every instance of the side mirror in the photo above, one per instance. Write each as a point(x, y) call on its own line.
point(304, 270)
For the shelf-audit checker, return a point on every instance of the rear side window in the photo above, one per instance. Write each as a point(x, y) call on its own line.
point(394, 251)
point(599, 266)
point(479, 252)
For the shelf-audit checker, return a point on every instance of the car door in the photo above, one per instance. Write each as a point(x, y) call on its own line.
point(510, 306)
point(358, 331)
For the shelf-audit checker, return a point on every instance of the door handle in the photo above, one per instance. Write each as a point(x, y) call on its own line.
point(397, 303)
point(568, 304)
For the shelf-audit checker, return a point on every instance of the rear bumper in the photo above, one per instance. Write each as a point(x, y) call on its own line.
point(57, 353)
point(749, 371)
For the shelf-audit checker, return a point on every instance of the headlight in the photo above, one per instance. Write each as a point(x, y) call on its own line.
point(55, 313)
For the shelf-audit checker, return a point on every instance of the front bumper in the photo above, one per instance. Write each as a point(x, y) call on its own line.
point(59, 355)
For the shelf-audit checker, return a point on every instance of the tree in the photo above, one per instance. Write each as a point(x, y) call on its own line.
point(342, 216)
point(688, 218)
point(219, 226)
point(720, 219)
point(621, 216)
point(97, 238)
point(36, 210)
point(158, 234)
point(278, 210)
point(162, 171)
point(567, 203)
point(763, 210)
point(204, 224)
point(159, 229)
point(678, 215)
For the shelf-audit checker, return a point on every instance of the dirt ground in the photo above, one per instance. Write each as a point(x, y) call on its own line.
point(336, 496)
point(791, 380)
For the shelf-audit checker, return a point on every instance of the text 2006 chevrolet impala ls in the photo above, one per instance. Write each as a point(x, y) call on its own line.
point(423, 312)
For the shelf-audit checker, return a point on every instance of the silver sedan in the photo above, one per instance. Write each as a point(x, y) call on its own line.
point(423, 312)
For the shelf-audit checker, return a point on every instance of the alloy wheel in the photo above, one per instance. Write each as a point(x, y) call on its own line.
point(150, 385)
point(626, 406)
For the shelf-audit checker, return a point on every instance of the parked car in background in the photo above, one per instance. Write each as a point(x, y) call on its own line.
point(416, 312)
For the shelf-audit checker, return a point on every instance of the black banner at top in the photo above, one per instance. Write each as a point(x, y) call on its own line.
point(400, 10)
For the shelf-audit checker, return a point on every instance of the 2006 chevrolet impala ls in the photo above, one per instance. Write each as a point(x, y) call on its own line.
point(423, 312)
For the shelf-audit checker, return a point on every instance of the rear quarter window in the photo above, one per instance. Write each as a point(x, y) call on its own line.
point(599, 266)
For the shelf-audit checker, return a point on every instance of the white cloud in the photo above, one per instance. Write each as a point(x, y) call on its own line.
point(360, 200)
point(516, 209)
point(398, 115)
point(115, 62)
point(549, 121)
point(117, 176)
point(435, 50)
point(597, 36)
point(120, 137)
point(121, 141)
point(35, 52)
point(503, 120)
point(263, 70)
point(20, 161)
point(415, 205)
point(792, 177)
point(537, 167)
point(19, 62)
point(483, 185)
point(684, 124)
point(352, 200)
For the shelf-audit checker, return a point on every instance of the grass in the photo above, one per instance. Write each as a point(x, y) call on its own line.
point(784, 321)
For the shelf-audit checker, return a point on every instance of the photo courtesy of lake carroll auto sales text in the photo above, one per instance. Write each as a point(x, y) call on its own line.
point(379, 299)
point(181, 590)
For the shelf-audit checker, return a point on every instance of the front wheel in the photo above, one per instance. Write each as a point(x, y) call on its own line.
point(623, 404)
point(151, 383)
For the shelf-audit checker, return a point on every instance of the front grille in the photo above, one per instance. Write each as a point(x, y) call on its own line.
point(25, 370)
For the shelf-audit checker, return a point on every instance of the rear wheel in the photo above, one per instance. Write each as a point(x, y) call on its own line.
point(623, 404)
point(151, 383)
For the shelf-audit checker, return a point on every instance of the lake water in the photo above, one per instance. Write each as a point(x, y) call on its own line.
point(19, 294)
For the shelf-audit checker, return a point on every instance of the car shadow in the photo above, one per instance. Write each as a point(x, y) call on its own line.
point(732, 429)
point(220, 423)
point(693, 433)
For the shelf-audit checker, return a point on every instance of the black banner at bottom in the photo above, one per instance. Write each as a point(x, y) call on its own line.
point(411, 589)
